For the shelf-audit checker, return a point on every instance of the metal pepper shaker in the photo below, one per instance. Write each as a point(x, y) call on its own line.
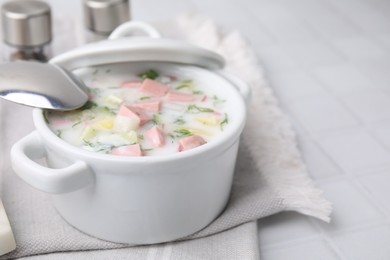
point(27, 31)
point(103, 16)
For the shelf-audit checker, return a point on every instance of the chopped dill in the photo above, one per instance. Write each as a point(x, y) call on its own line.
point(89, 105)
point(217, 100)
point(184, 84)
point(156, 119)
point(59, 133)
point(45, 117)
point(150, 74)
point(108, 110)
point(180, 121)
point(75, 124)
point(224, 122)
point(197, 92)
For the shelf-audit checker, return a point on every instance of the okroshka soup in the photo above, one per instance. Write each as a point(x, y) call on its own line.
point(144, 109)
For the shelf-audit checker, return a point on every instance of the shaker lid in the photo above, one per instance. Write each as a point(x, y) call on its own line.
point(103, 16)
point(26, 23)
point(135, 49)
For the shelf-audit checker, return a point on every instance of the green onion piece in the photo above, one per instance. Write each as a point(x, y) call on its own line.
point(143, 98)
point(183, 132)
point(192, 108)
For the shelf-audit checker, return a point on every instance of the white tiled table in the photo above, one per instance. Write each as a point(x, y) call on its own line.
point(329, 64)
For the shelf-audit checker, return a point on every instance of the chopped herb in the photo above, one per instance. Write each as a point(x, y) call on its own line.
point(156, 119)
point(106, 148)
point(171, 135)
point(89, 105)
point(45, 117)
point(59, 133)
point(147, 149)
point(150, 74)
point(108, 110)
point(224, 122)
point(94, 90)
point(141, 137)
point(179, 121)
point(75, 124)
point(183, 132)
point(192, 108)
point(88, 143)
point(197, 92)
point(143, 98)
point(217, 100)
point(184, 84)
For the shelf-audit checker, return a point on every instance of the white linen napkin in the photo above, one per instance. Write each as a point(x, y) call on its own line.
point(270, 176)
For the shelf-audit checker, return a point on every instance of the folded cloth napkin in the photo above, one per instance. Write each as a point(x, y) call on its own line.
point(270, 177)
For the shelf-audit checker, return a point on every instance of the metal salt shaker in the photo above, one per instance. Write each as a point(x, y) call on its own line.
point(103, 16)
point(27, 31)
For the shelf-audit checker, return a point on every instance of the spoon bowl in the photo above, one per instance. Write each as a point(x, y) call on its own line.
point(42, 85)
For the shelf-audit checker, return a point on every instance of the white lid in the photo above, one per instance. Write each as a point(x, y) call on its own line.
point(132, 49)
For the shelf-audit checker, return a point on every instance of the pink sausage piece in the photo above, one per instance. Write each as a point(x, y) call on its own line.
point(154, 88)
point(175, 96)
point(131, 84)
point(155, 136)
point(128, 150)
point(190, 142)
point(151, 106)
point(127, 112)
point(57, 121)
point(142, 115)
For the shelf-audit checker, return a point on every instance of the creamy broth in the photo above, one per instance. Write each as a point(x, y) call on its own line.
point(151, 113)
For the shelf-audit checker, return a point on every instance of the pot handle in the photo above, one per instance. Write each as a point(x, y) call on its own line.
point(126, 29)
point(241, 86)
point(55, 181)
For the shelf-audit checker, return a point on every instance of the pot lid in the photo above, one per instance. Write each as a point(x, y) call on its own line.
point(138, 49)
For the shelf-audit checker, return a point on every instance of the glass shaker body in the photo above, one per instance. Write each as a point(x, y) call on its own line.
point(27, 30)
point(40, 53)
point(103, 16)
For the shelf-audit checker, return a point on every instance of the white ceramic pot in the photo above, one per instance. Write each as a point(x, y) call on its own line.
point(139, 200)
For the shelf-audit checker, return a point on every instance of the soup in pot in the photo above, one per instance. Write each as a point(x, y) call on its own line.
point(147, 114)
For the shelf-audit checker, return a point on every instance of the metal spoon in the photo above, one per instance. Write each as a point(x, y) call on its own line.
point(41, 85)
